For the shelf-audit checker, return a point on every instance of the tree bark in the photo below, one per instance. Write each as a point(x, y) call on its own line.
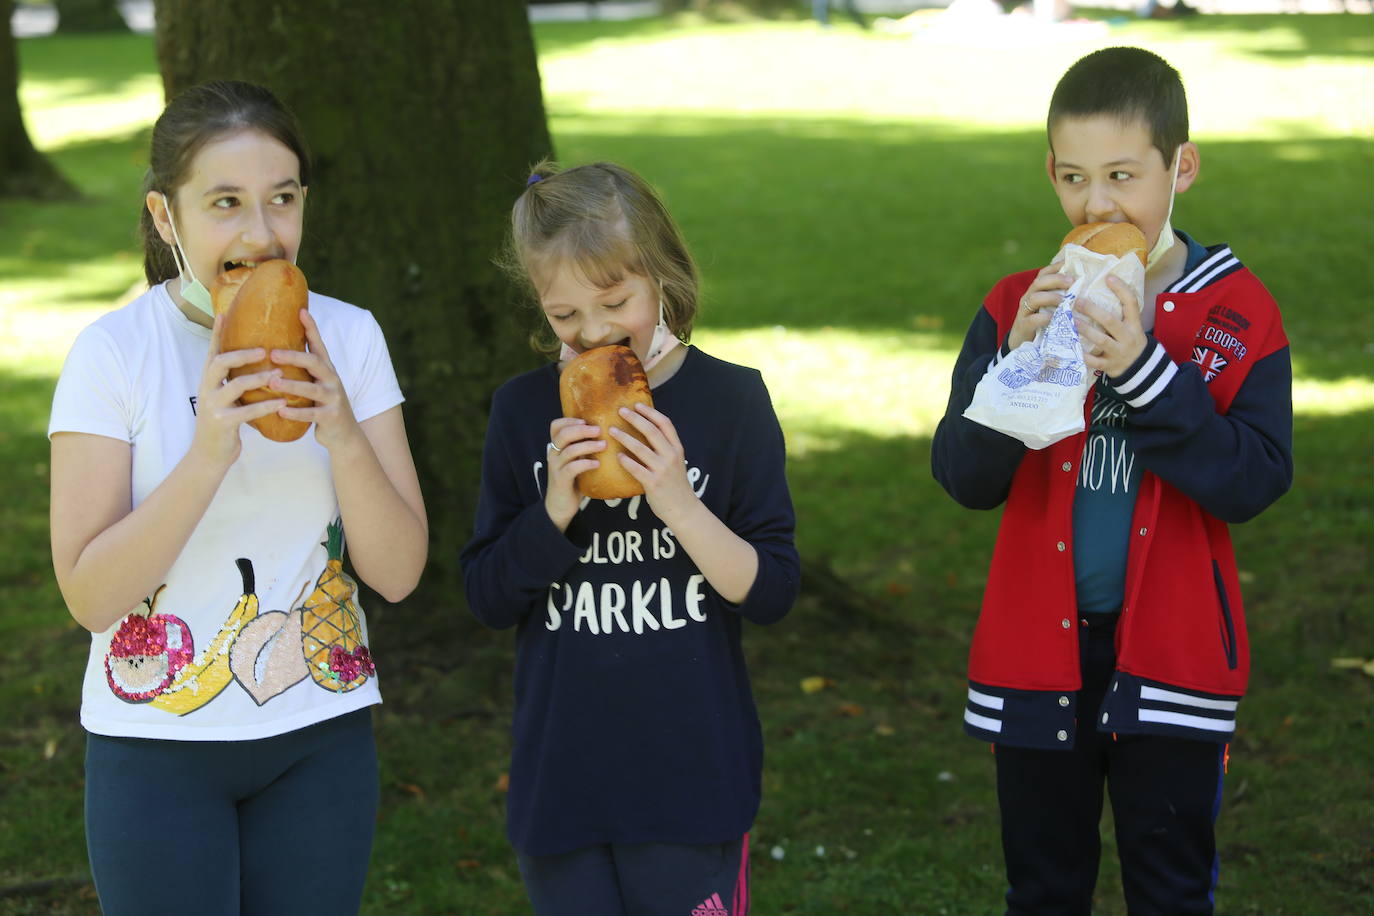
point(423, 119)
point(89, 16)
point(24, 172)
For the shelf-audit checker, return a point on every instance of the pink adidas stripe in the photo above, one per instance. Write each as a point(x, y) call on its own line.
point(740, 906)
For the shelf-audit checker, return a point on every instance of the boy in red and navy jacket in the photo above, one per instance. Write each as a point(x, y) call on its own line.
point(1111, 646)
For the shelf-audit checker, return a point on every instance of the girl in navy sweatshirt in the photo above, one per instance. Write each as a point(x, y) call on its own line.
point(635, 775)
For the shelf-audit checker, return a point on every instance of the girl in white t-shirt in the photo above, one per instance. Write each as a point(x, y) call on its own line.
point(230, 761)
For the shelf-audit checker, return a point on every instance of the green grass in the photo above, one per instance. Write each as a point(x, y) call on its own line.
point(850, 197)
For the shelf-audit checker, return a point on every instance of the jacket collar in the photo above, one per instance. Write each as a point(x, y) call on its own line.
point(1204, 266)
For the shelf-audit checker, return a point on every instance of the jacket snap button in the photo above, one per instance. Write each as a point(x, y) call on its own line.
point(1067, 465)
point(1062, 735)
point(1104, 718)
point(1169, 306)
point(1063, 701)
point(1060, 545)
point(1142, 531)
point(1065, 623)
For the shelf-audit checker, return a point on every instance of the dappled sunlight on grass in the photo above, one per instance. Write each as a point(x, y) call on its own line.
point(827, 383)
point(34, 340)
point(91, 283)
point(797, 70)
point(1334, 397)
point(849, 198)
point(65, 113)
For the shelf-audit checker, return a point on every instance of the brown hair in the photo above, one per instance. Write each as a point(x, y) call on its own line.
point(606, 220)
point(199, 115)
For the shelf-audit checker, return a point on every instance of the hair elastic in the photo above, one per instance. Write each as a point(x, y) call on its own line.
point(533, 178)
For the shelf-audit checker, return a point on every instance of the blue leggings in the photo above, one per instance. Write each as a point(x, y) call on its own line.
point(279, 825)
point(641, 879)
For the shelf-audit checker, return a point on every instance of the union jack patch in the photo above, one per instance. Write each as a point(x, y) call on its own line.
point(1209, 361)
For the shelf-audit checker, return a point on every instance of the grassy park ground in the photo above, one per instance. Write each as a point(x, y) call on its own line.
point(850, 197)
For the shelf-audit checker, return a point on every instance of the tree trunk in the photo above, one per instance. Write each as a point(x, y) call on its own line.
point(24, 172)
point(423, 121)
point(89, 16)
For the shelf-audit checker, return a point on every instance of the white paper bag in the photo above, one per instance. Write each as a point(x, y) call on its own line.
point(1036, 393)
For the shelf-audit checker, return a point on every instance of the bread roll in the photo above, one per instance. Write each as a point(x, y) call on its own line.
point(593, 388)
point(227, 286)
point(262, 308)
point(1118, 239)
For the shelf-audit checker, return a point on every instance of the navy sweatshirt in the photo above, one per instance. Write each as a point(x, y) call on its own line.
point(634, 719)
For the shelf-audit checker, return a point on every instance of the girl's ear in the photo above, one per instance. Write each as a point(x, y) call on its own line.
point(1188, 165)
point(156, 203)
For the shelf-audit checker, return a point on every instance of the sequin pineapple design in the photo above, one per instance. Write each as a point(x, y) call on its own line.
point(331, 626)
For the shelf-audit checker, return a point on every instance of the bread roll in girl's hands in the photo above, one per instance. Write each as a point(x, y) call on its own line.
point(1119, 239)
point(262, 308)
point(593, 388)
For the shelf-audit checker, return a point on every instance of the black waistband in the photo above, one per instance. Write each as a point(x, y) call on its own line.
point(1099, 623)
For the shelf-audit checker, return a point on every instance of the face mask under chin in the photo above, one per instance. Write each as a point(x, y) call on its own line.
point(662, 343)
point(194, 292)
point(1166, 239)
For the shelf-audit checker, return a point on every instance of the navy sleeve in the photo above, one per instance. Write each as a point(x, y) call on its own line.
point(761, 511)
point(973, 463)
point(1233, 465)
point(516, 550)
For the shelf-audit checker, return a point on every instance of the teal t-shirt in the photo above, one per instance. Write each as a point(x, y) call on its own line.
point(1108, 481)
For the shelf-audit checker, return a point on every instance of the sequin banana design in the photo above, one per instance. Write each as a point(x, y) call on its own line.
point(202, 680)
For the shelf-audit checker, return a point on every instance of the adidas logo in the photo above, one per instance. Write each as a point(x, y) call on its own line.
point(711, 906)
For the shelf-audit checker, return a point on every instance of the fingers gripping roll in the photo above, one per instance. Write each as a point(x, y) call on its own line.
point(262, 307)
point(593, 388)
point(1118, 239)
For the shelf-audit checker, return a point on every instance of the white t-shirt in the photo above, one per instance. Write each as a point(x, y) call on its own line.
point(254, 633)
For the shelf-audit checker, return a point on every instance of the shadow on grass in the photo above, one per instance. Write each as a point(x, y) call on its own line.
point(58, 243)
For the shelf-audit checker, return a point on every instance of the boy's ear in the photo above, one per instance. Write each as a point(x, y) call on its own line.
point(1049, 165)
point(1188, 165)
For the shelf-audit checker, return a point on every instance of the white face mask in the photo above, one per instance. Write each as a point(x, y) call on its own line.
point(1166, 238)
point(660, 345)
point(195, 291)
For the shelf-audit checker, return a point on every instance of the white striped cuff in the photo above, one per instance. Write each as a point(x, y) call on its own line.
point(1141, 387)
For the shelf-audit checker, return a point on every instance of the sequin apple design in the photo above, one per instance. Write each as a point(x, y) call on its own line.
point(147, 652)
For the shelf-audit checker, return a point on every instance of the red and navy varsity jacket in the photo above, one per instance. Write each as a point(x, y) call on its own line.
point(1210, 419)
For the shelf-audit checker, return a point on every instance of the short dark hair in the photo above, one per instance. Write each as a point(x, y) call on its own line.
point(1129, 84)
point(198, 116)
